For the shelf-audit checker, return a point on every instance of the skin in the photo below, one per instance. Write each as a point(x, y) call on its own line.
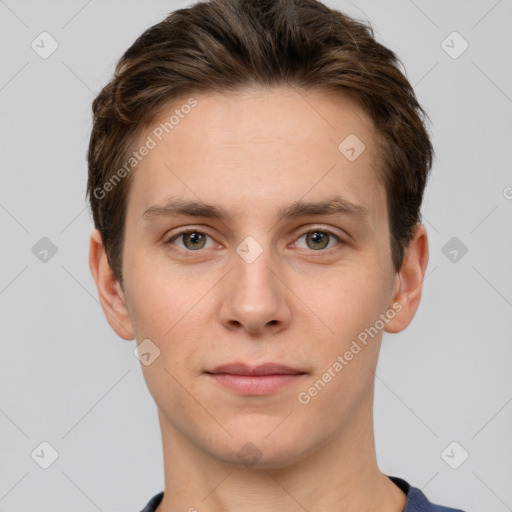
point(254, 152)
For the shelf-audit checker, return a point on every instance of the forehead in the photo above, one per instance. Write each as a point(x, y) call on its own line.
point(259, 148)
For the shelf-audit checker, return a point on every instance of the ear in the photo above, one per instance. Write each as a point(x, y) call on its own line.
point(409, 281)
point(110, 292)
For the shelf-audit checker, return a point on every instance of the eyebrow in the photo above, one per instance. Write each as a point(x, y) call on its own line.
point(335, 205)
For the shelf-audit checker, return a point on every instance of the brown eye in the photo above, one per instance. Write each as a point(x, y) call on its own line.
point(191, 240)
point(194, 240)
point(318, 239)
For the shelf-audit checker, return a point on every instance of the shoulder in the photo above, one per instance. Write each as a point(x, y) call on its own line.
point(417, 501)
point(153, 502)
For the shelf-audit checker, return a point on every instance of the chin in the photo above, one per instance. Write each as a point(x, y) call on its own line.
point(277, 451)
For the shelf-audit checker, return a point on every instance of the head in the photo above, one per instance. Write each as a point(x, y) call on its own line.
point(291, 146)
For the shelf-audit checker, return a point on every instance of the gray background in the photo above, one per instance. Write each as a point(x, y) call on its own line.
point(65, 378)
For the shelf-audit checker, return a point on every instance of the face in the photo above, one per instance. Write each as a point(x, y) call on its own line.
point(253, 240)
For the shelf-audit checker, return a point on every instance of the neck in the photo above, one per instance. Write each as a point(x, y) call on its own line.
point(340, 476)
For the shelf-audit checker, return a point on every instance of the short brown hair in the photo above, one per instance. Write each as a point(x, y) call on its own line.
point(228, 45)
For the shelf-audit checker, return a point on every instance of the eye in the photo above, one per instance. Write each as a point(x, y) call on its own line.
point(318, 239)
point(192, 240)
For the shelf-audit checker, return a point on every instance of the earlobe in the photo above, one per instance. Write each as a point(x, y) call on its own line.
point(110, 293)
point(409, 281)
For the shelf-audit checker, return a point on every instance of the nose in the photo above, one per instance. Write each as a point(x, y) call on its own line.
point(253, 297)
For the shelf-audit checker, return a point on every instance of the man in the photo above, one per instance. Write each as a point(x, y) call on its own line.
point(256, 172)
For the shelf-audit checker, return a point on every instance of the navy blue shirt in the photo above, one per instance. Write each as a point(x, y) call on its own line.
point(416, 500)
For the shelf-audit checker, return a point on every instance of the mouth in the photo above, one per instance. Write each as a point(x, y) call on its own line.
point(263, 379)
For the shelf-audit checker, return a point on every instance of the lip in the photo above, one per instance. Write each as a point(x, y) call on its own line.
point(262, 379)
point(259, 370)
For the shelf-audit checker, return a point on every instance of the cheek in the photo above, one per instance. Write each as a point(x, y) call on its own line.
point(173, 312)
point(346, 359)
point(163, 311)
point(346, 301)
point(158, 294)
point(347, 351)
point(159, 309)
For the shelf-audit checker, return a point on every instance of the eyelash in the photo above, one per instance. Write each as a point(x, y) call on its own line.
point(194, 230)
